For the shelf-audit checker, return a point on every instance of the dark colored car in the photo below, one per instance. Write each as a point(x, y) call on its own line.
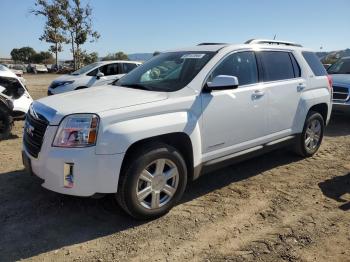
point(340, 72)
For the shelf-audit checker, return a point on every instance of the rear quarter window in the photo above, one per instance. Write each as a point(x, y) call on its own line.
point(314, 63)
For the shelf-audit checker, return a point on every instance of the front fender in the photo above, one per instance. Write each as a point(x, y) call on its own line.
point(118, 137)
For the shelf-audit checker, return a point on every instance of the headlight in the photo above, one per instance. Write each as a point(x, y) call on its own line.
point(57, 84)
point(79, 130)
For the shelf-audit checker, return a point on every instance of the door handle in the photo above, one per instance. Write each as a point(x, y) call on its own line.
point(258, 93)
point(300, 87)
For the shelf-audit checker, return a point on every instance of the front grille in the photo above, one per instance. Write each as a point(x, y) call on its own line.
point(340, 93)
point(33, 137)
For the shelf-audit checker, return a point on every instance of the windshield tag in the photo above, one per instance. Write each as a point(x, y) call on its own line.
point(193, 56)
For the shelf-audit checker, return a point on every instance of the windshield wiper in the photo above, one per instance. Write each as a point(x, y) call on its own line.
point(136, 86)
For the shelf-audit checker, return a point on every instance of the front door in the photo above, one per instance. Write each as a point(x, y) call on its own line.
point(234, 120)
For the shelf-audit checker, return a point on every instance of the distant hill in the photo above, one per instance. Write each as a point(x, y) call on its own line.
point(140, 56)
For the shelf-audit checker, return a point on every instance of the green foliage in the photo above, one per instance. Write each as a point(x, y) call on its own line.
point(54, 26)
point(28, 55)
point(43, 58)
point(116, 56)
point(89, 58)
point(67, 21)
point(24, 54)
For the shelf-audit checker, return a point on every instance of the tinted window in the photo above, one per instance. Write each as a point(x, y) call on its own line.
point(315, 64)
point(111, 69)
point(127, 67)
point(276, 65)
point(342, 66)
point(242, 65)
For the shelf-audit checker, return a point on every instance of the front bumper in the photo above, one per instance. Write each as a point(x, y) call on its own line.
point(343, 108)
point(92, 173)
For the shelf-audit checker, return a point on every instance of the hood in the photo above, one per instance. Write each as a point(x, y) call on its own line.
point(65, 78)
point(93, 100)
point(343, 79)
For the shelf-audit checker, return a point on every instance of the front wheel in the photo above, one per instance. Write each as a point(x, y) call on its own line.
point(309, 141)
point(153, 182)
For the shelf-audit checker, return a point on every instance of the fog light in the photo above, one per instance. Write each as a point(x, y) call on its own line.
point(68, 175)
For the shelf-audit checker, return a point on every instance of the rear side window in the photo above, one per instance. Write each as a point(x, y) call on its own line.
point(314, 63)
point(276, 65)
point(127, 67)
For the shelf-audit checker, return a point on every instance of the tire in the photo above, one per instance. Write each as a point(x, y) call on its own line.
point(80, 87)
point(6, 123)
point(308, 147)
point(144, 164)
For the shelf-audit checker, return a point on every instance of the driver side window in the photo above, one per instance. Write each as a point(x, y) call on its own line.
point(242, 65)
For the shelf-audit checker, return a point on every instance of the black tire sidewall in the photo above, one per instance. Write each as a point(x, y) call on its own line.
point(133, 172)
point(6, 117)
point(310, 117)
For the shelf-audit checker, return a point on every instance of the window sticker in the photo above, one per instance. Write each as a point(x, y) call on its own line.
point(193, 56)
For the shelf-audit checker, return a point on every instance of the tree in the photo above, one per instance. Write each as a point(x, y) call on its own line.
point(116, 56)
point(54, 25)
point(43, 58)
point(24, 54)
point(89, 58)
point(78, 23)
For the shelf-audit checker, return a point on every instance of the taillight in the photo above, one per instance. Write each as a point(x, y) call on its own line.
point(330, 82)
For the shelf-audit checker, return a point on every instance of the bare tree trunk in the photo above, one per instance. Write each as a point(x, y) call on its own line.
point(73, 51)
point(56, 53)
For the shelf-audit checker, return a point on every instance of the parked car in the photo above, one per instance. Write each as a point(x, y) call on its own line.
point(178, 115)
point(95, 74)
point(14, 100)
point(37, 69)
point(340, 72)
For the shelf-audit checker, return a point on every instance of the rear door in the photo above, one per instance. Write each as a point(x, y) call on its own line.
point(282, 80)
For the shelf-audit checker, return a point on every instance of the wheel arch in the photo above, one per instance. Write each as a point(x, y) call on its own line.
point(179, 140)
point(321, 108)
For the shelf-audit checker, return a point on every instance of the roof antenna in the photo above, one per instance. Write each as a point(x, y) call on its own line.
point(274, 38)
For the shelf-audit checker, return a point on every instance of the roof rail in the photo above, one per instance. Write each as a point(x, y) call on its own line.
point(271, 42)
point(212, 44)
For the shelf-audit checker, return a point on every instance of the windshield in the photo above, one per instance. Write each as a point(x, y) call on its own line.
point(85, 69)
point(167, 72)
point(342, 66)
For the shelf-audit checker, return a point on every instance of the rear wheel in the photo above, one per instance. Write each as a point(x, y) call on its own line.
point(153, 182)
point(310, 139)
point(6, 123)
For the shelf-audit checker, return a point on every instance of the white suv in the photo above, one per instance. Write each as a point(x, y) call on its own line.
point(180, 113)
point(96, 74)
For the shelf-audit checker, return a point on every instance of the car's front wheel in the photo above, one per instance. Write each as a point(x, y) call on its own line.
point(309, 141)
point(152, 182)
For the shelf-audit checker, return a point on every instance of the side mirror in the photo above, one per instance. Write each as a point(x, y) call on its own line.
point(222, 82)
point(99, 75)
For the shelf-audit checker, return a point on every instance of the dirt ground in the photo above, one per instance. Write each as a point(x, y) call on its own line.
point(276, 207)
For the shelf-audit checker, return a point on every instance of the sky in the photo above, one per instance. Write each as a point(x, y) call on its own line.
point(138, 26)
